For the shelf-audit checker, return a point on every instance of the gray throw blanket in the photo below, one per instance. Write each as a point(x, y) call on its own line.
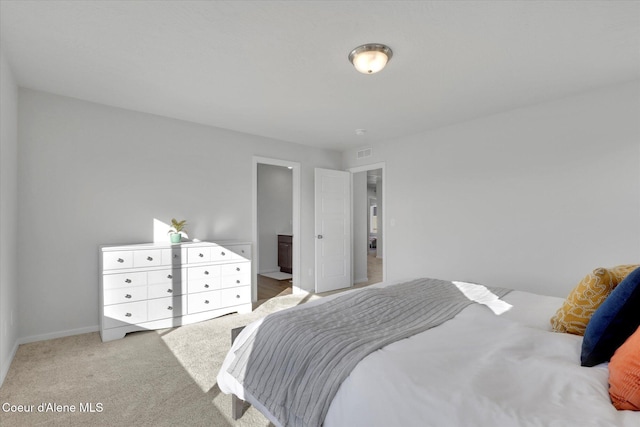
point(296, 360)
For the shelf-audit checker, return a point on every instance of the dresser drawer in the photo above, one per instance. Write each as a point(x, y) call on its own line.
point(220, 253)
point(166, 276)
point(166, 290)
point(130, 313)
point(147, 258)
point(204, 272)
point(243, 279)
point(122, 295)
point(203, 301)
point(198, 255)
point(236, 268)
point(203, 285)
point(236, 274)
point(235, 296)
point(205, 278)
point(175, 256)
point(117, 259)
point(120, 280)
point(164, 308)
point(241, 252)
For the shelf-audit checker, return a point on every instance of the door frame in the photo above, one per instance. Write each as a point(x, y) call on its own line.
point(295, 228)
point(382, 206)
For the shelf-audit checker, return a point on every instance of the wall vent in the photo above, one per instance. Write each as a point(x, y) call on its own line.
point(365, 152)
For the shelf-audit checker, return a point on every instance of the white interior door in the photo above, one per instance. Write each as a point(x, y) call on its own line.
point(333, 229)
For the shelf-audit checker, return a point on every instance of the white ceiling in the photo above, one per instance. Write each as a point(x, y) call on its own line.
point(279, 69)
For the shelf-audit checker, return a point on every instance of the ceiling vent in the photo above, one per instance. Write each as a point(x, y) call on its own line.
point(364, 153)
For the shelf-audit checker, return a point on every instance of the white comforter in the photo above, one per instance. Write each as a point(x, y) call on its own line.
point(478, 369)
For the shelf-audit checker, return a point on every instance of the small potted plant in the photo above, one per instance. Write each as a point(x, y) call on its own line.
point(175, 232)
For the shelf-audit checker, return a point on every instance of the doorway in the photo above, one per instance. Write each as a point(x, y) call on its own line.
point(276, 219)
point(374, 226)
point(368, 222)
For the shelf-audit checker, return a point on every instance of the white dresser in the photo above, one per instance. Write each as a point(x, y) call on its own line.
point(155, 286)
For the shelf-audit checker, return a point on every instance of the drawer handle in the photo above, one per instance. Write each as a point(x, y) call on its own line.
point(169, 308)
point(237, 296)
point(237, 281)
point(242, 251)
point(206, 272)
point(169, 276)
point(128, 314)
point(120, 260)
point(222, 253)
point(237, 268)
point(127, 281)
point(170, 291)
point(175, 256)
point(201, 255)
point(206, 301)
point(127, 296)
point(149, 258)
point(206, 286)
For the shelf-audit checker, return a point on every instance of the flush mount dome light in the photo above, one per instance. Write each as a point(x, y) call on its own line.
point(370, 58)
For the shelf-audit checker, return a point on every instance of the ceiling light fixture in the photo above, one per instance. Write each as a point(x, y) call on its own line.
point(370, 58)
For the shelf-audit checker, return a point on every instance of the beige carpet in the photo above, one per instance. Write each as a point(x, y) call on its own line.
point(155, 378)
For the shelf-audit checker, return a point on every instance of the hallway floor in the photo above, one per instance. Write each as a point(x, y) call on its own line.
point(269, 288)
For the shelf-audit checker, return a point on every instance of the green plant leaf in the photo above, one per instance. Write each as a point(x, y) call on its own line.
point(176, 225)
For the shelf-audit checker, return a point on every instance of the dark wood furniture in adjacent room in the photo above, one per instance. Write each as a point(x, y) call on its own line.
point(285, 245)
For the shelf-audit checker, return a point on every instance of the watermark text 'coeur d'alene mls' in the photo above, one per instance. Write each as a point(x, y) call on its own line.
point(53, 407)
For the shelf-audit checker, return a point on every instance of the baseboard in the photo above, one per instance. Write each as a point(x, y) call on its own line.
point(58, 334)
point(296, 290)
point(274, 270)
point(4, 370)
point(360, 280)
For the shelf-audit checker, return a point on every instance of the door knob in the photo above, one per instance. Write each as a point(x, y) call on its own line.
point(319, 236)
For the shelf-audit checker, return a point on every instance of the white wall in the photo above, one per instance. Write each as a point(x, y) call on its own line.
point(8, 216)
point(530, 199)
point(275, 212)
point(89, 174)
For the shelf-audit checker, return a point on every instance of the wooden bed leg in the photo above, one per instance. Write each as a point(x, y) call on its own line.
point(237, 404)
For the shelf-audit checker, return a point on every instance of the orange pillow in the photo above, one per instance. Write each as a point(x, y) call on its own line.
point(586, 297)
point(624, 374)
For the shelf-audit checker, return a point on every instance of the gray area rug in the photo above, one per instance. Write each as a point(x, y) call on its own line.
point(154, 378)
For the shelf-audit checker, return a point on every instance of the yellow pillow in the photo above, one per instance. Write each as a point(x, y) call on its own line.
point(622, 271)
point(586, 297)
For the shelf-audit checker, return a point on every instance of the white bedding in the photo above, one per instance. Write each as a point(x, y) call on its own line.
point(477, 369)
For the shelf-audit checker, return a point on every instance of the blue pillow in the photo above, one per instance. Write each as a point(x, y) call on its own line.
point(613, 322)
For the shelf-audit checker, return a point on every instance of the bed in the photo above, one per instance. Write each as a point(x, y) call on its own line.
point(492, 361)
